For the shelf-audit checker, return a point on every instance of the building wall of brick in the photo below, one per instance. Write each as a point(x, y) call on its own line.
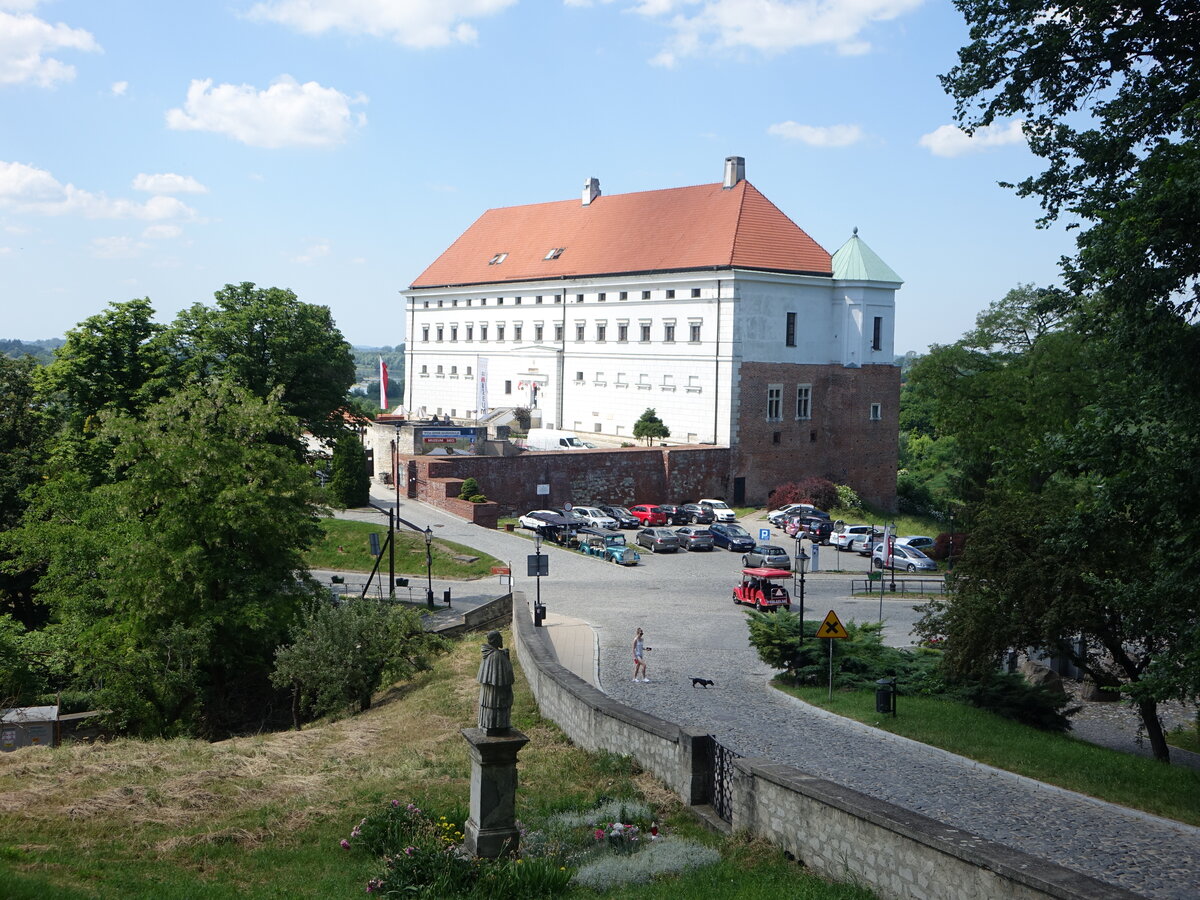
point(839, 442)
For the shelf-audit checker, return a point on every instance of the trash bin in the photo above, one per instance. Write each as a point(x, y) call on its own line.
point(539, 614)
point(885, 696)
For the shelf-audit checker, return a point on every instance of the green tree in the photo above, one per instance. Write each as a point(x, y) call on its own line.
point(349, 483)
point(340, 655)
point(650, 428)
point(266, 339)
point(174, 582)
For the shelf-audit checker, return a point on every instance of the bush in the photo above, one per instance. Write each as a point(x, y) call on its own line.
point(665, 857)
point(941, 545)
point(1008, 694)
point(471, 492)
point(847, 498)
point(820, 492)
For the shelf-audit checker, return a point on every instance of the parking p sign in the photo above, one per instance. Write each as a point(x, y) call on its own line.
point(764, 534)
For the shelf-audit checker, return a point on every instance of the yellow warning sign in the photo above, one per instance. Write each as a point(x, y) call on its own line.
point(832, 627)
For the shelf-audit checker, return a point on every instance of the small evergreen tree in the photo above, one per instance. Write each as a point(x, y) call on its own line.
point(471, 491)
point(349, 484)
point(650, 427)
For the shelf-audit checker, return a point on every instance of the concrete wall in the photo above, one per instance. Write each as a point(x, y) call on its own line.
point(834, 831)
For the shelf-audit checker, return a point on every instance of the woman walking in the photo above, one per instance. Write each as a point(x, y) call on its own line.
point(639, 657)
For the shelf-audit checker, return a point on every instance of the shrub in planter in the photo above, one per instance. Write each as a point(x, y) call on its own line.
point(471, 492)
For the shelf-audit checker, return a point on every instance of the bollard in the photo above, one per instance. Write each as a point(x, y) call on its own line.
point(446, 596)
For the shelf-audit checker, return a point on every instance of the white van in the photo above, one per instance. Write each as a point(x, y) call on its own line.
point(552, 439)
point(722, 511)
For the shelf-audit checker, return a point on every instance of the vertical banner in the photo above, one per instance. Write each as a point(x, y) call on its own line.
point(481, 387)
point(383, 385)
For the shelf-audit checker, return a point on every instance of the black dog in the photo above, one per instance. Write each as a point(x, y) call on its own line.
point(701, 682)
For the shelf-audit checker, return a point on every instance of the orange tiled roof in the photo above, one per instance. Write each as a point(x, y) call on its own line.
point(698, 227)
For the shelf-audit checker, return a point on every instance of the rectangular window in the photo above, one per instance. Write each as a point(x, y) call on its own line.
point(579, 298)
point(439, 370)
point(804, 401)
point(454, 303)
point(468, 371)
point(774, 402)
point(454, 370)
point(508, 387)
point(537, 299)
point(579, 376)
point(425, 333)
point(579, 332)
point(695, 292)
point(694, 332)
point(669, 333)
point(645, 338)
point(624, 295)
point(424, 370)
point(499, 301)
point(470, 332)
point(439, 333)
point(454, 332)
point(877, 334)
point(537, 333)
point(601, 331)
point(789, 334)
point(558, 298)
point(517, 300)
point(483, 332)
point(622, 333)
point(558, 331)
point(500, 332)
point(645, 295)
point(876, 412)
point(516, 332)
point(602, 296)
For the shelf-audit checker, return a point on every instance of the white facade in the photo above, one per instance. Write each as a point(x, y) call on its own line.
point(592, 354)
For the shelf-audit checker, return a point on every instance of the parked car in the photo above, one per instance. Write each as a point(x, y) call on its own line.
point(849, 534)
point(767, 556)
point(917, 542)
point(901, 557)
point(731, 537)
point(776, 516)
point(648, 514)
point(608, 545)
point(658, 540)
point(759, 588)
point(698, 515)
point(625, 519)
point(675, 514)
point(812, 527)
point(722, 511)
point(594, 517)
point(536, 518)
point(694, 537)
point(859, 542)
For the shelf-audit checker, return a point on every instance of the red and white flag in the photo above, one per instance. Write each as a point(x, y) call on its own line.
point(383, 384)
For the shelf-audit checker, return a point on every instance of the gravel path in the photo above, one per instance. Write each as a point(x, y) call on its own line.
point(683, 603)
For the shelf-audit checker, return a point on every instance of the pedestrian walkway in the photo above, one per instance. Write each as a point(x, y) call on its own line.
point(574, 644)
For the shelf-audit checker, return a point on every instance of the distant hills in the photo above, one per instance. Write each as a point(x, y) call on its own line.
point(42, 351)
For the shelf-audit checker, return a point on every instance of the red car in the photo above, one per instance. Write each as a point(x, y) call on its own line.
point(648, 514)
point(759, 589)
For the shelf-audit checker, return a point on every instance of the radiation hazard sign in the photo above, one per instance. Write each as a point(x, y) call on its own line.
point(832, 627)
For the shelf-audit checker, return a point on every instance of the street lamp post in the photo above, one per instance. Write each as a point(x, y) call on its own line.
point(429, 566)
point(802, 559)
point(950, 558)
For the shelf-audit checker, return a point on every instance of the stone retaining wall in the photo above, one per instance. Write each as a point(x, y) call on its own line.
point(834, 831)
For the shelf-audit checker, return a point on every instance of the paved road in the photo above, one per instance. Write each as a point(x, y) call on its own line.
point(682, 601)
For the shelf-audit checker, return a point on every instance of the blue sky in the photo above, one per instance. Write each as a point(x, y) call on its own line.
point(336, 147)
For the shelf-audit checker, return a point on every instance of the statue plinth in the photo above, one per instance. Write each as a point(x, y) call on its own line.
point(491, 830)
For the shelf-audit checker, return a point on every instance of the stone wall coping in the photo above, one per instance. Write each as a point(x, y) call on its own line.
point(1041, 875)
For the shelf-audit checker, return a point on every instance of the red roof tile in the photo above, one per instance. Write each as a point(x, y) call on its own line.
point(698, 227)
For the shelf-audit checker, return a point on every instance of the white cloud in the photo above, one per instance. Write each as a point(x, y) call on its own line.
point(948, 140)
point(412, 23)
point(25, 41)
point(119, 88)
point(116, 248)
point(168, 183)
point(29, 189)
point(162, 232)
point(818, 135)
point(768, 26)
point(287, 114)
point(313, 253)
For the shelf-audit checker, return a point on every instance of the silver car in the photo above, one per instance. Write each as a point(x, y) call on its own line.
point(694, 537)
point(658, 540)
point(767, 556)
point(907, 558)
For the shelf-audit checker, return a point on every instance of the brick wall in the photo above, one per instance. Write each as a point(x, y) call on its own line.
point(839, 442)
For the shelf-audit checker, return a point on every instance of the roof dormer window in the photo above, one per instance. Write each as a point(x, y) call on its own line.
point(555, 253)
point(497, 259)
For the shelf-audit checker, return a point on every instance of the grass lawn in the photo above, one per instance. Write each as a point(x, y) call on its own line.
point(262, 816)
point(1062, 760)
point(1186, 739)
point(345, 546)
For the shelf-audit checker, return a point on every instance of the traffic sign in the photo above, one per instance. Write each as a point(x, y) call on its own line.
point(832, 627)
point(764, 534)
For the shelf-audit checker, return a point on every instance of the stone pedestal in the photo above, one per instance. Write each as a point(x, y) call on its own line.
point(491, 830)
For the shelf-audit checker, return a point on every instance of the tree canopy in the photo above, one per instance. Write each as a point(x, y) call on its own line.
point(650, 427)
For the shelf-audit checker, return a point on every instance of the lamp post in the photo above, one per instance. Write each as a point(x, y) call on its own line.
point(802, 559)
point(891, 553)
point(950, 557)
point(429, 566)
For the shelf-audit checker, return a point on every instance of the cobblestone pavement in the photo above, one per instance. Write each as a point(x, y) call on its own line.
point(683, 602)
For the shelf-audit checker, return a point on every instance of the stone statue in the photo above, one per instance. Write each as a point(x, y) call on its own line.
point(495, 687)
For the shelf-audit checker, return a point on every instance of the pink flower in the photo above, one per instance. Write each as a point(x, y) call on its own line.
point(395, 804)
point(599, 834)
point(345, 844)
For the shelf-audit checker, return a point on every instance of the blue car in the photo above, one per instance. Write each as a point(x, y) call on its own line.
point(731, 537)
